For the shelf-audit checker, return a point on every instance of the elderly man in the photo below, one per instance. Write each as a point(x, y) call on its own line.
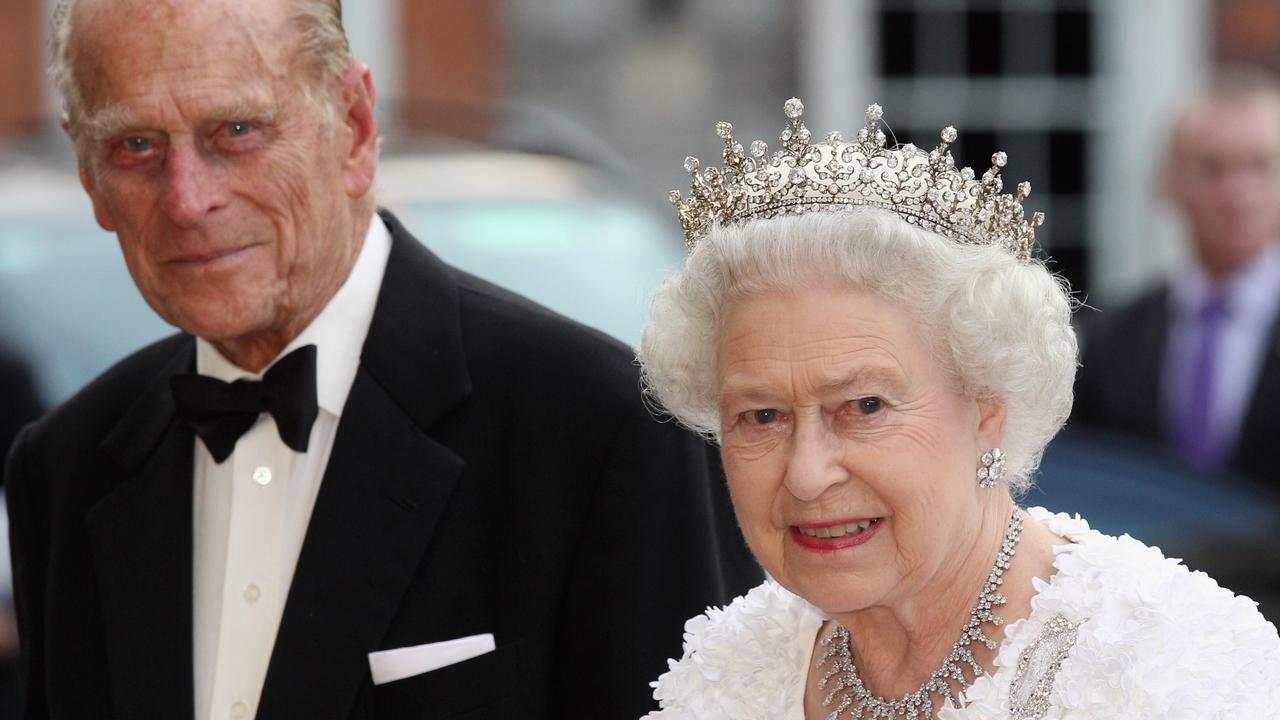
point(361, 484)
point(1195, 363)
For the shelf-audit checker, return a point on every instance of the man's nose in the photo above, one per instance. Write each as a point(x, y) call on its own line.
point(193, 187)
point(817, 460)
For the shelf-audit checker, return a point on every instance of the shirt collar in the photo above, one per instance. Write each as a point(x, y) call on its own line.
point(338, 332)
point(1254, 289)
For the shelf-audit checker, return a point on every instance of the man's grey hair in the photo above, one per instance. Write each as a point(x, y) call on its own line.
point(322, 55)
point(1227, 83)
point(999, 327)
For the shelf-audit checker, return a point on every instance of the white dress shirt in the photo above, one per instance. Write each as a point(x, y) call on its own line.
point(1253, 300)
point(251, 511)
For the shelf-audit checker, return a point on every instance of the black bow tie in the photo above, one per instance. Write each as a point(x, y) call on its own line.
point(221, 412)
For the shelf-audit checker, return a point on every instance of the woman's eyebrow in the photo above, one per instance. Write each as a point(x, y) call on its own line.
point(862, 378)
point(741, 387)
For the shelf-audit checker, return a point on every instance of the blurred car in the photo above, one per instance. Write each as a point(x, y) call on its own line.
point(539, 225)
point(1223, 525)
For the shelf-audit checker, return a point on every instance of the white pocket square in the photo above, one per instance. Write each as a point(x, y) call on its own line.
point(400, 663)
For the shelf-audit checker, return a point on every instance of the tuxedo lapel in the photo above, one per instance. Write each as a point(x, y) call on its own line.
point(383, 492)
point(141, 540)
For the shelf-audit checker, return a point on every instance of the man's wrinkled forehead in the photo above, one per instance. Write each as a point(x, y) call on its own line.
point(1254, 115)
point(116, 41)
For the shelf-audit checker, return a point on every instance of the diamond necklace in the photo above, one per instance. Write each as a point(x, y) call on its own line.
point(859, 701)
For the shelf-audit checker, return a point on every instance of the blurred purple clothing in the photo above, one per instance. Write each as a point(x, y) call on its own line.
point(1228, 374)
point(1194, 440)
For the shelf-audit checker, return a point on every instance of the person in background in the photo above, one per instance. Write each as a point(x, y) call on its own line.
point(1194, 363)
point(360, 483)
point(21, 405)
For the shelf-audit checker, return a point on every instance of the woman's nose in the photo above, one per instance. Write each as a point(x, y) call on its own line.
point(816, 462)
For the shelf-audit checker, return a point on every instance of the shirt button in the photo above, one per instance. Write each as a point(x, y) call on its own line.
point(252, 593)
point(239, 710)
point(262, 475)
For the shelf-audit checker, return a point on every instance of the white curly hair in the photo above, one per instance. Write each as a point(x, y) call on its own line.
point(1000, 327)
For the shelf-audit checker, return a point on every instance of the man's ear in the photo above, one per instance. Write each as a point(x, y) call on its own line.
point(360, 158)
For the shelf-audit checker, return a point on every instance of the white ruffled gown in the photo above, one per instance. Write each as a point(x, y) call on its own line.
point(1119, 631)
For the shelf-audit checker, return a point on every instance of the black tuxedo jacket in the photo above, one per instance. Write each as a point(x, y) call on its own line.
point(21, 402)
point(1118, 387)
point(495, 470)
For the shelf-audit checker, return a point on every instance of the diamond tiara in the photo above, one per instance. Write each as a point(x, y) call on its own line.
point(923, 188)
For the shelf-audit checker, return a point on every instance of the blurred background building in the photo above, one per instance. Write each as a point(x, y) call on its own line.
point(1078, 92)
point(534, 141)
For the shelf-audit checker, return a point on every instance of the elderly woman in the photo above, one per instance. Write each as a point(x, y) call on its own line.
point(865, 331)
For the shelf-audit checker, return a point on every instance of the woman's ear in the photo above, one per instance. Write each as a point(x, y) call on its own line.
point(991, 416)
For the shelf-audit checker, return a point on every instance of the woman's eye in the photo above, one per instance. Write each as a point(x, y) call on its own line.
point(763, 417)
point(239, 129)
point(136, 144)
point(869, 405)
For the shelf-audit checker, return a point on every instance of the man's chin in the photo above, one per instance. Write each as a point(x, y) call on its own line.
point(221, 325)
point(1227, 254)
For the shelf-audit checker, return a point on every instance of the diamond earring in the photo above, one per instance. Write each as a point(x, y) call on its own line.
point(992, 468)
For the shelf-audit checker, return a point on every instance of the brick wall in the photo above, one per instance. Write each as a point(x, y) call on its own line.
point(1248, 31)
point(452, 54)
point(21, 66)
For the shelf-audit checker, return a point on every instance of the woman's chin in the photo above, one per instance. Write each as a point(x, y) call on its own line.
point(836, 593)
point(839, 581)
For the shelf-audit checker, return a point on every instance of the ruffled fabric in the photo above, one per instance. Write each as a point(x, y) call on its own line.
point(1155, 640)
point(747, 660)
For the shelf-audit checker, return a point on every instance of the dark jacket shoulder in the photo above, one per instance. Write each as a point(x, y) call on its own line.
point(534, 345)
point(1113, 323)
point(86, 417)
point(1117, 387)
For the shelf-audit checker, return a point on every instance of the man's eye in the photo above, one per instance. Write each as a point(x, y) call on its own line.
point(239, 129)
point(869, 405)
point(763, 417)
point(136, 144)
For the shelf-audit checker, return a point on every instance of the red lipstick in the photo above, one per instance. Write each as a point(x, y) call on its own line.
point(806, 538)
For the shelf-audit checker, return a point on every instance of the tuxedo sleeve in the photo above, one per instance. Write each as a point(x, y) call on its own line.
point(661, 545)
point(28, 545)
